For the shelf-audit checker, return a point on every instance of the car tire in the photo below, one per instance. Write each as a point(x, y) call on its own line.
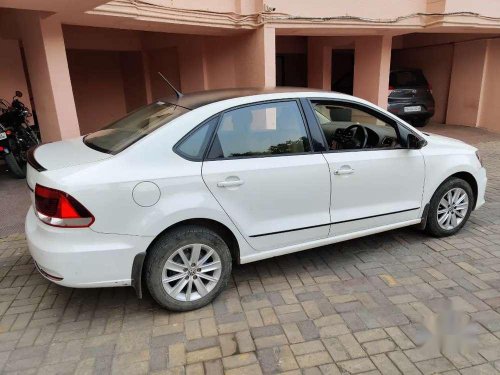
point(19, 171)
point(440, 225)
point(420, 122)
point(176, 285)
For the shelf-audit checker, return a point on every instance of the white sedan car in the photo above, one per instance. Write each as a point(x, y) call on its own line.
point(175, 192)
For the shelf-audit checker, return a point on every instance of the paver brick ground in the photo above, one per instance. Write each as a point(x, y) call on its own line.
point(396, 302)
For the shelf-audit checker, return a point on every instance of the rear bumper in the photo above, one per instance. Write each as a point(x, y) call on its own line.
point(82, 258)
point(398, 108)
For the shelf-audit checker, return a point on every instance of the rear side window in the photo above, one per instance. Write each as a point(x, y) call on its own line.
point(407, 78)
point(261, 130)
point(194, 145)
point(122, 133)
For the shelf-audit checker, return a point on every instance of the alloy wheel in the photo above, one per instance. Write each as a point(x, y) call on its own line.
point(191, 272)
point(452, 208)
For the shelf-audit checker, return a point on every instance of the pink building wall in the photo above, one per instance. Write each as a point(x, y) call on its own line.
point(98, 88)
point(234, 48)
point(100, 38)
point(46, 59)
point(436, 63)
point(220, 62)
point(164, 60)
point(489, 112)
point(12, 76)
point(319, 58)
point(255, 58)
point(372, 61)
point(466, 82)
point(134, 79)
point(363, 8)
point(319, 63)
point(192, 63)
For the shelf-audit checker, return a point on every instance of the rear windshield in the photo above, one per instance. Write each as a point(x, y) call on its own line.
point(120, 134)
point(407, 78)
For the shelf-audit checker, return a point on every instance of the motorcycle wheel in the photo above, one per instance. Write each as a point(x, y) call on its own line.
point(19, 171)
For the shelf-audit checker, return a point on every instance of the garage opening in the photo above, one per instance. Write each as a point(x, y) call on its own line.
point(291, 61)
point(343, 70)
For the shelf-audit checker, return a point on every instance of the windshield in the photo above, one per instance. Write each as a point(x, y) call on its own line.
point(407, 78)
point(120, 134)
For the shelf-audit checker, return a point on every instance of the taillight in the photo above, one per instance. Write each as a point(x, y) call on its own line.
point(429, 87)
point(391, 89)
point(60, 209)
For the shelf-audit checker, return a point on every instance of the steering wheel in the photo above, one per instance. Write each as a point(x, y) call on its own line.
point(355, 136)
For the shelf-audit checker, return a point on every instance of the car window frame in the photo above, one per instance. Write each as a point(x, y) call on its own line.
point(206, 142)
point(271, 101)
point(362, 107)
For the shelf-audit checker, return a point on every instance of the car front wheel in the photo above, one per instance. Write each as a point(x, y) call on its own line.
point(187, 268)
point(450, 207)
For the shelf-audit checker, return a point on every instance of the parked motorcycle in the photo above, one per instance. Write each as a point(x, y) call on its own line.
point(16, 135)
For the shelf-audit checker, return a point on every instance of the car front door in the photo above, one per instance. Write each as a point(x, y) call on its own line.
point(262, 170)
point(376, 180)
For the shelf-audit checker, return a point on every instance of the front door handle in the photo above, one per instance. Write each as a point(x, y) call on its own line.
point(230, 183)
point(345, 169)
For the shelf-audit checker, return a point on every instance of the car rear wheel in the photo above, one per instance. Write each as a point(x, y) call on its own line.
point(450, 207)
point(187, 268)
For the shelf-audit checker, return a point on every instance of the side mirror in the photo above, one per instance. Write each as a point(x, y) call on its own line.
point(19, 94)
point(415, 143)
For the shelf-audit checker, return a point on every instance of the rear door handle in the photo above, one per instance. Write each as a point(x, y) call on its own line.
point(230, 183)
point(343, 170)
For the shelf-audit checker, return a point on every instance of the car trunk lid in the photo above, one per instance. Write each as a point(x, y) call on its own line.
point(58, 155)
point(66, 153)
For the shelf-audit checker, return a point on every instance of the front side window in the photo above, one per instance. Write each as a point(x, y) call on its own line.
point(349, 127)
point(122, 133)
point(261, 130)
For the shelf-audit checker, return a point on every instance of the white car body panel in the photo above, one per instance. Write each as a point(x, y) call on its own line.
point(85, 258)
point(379, 184)
point(279, 194)
point(447, 156)
point(75, 153)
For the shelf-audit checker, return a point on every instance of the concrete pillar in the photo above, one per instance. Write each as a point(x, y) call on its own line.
point(466, 83)
point(319, 64)
point(12, 76)
point(255, 58)
point(43, 43)
point(192, 65)
point(267, 36)
point(489, 110)
point(372, 64)
point(147, 76)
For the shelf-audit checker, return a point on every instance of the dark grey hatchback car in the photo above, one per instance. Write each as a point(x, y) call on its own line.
point(410, 95)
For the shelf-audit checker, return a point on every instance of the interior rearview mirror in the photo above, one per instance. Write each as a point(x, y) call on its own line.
point(414, 142)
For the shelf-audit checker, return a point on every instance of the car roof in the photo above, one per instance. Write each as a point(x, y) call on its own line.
point(201, 98)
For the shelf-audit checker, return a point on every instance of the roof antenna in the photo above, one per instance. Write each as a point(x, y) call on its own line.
point(178, 93)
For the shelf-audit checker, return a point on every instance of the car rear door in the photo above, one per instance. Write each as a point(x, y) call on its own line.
point(262, 170)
